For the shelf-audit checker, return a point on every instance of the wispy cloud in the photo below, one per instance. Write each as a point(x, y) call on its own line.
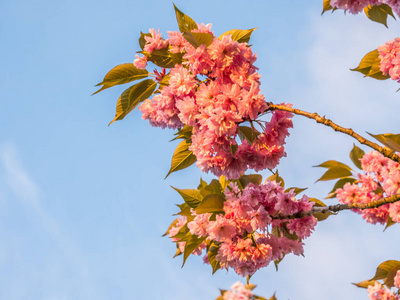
point(22, 187)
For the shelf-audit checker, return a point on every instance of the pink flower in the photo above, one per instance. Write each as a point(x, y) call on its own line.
point(154, 42)
point(397, 280)
point(140, 62)
point(389, 55)
point(221, 229)
point(181, 82)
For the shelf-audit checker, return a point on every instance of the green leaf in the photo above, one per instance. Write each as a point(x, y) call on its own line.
point(192, 197)
point(212, 253)
point(339, 185)
point(185, 210)
point(318, 203)
point(333, 163)
point(196, 39)
point(132, 96)
point(370, 66)
point(185, 23)
point(240, 35)
point(365, 284)
point(213, 188)
point(173, 224)
point(250, 286)
point(389, 282)
point(326, 6)
point(165, 81)
point(213, 203)
point(247, 133)
point(142, 40)
point(192, 243)
point(379, 13)
point(273, 297)
point(390, 140)
point(334, 173)
point(286, 233)
point(277, 178)
point(278, 261)
point(121, 74)
point(252, 178)
point(323, 216)
point(389, 223)
point(163, 58)
point(223, 181)
point(182, 158)
point(355, 155)
point(182, 233)
point(384, 269)
point(184, 133)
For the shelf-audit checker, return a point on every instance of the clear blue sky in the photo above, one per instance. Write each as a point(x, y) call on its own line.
point(83, 205)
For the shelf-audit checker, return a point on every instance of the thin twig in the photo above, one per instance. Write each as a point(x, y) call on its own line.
point(383, 150)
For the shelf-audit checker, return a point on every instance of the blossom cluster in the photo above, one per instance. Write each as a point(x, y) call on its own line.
point(356, 6)
point(238, 292)
point(381, 178)
point(389, 55)
point(214, 90)
point(379, 292)
point(258, 226)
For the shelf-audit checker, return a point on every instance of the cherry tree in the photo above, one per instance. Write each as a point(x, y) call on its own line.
point(206, 87)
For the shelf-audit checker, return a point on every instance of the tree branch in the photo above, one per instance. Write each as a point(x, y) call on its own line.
point(383, 150)
point(339, 207)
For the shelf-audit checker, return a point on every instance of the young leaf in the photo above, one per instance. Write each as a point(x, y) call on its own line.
point(326, 6)
point(182, 158)
point(121, 74)
point(173, 224)
point(247, 133)
point(223, 181)
point(192, 242)
point(277, 178)
point(355, 155)
point(378, 13)
point(384, 268)
point(132, 96)
point(333, 163)
point(185, 210)
point(272, 298)
point(389, 223)
point(214, 188)
point(185, 23)
point(184, 133)
point(212, 253)
point(213, 203)
point(334, 173)
point(142, 40)
point(390, 140)
point(196, 39)
point(163, 58)
point(246, 179)
point(318, 203)
point(192, 197)
point(370, 66)
point(365, 284)
point(322, 216)
point(390, 278)
point(239, 35)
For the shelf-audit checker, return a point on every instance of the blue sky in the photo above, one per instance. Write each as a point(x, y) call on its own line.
point(83, 205)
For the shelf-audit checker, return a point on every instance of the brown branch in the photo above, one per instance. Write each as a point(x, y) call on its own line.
point(339, 207)
point(384, 150)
